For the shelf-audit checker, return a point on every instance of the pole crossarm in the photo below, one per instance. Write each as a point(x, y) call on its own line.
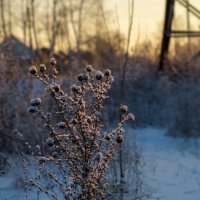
point(190, 7)
point(183, 33)
point(167, 30)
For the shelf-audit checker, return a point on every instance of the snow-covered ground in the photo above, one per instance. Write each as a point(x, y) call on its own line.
point(172, 164)
point(172, 167)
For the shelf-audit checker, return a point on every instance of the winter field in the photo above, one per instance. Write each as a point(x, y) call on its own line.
point(172, 165)
point(172, 168)
point(94, 105)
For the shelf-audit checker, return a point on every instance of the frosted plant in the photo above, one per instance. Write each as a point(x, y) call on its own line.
point(76, 133)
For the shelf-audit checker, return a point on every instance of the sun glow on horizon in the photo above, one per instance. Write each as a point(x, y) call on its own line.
point(149, 17)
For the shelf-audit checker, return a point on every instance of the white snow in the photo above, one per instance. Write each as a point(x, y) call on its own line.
point(172, 164)
point(172, 167)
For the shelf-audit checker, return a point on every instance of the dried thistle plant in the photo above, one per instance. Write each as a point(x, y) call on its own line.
point(76, 133)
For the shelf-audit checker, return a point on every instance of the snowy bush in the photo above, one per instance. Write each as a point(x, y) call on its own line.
point(15, 91)
point(79, 147)
point(9, 76)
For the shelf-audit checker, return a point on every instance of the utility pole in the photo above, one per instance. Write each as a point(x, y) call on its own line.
point(169, 13)
point(168, 32)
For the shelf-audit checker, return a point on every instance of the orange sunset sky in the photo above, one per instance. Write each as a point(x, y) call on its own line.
point(149, 16)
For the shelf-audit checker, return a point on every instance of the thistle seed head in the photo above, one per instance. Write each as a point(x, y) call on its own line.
point(131, 117)
point(99, 75)
point(52, 61)
point(36, 102)
point(42, 160)
point(50, 142)
point(123, 108)
point(119, 139)
point(108, 137)
point(89, 68)
point(42, 68)
point(61, 125)
point(33, 70)
point(32, 109)
point(55, 154)
point(56, 87)
point(80, 77)
point(107, 72)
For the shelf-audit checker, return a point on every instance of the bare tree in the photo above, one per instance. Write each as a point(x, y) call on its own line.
point(72, 20)
point(23, 19)
point(29, 27)
point(47, 22)
point(64, 30)
point(66, 22)
point(126, 55)
point(77, 27)
point(80, 11)
point(122, 89)
point(9, 18)
point(3, 18)
point(105, 21)
point(33, 23)
point(55, 26)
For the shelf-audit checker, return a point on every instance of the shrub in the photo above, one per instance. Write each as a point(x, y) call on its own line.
point(76, 133)
point(9, 77)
